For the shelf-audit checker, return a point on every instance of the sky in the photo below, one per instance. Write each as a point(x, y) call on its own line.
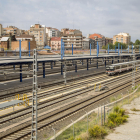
point(106, 17)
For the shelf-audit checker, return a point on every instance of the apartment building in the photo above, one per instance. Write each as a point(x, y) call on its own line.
point(55, 43)
point(52, 32)
point(39, 32)
point(11, 29)
point(72, 37)
point(1, 30)
point(98, 38)
point(122, 38)
point(85, 43)
point(108, 40)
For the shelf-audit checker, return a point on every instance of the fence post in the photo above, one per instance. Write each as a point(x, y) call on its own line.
point(54, 133)
point(87, 120)
point(73, 128)
point(104, 115)
point(122, 98)
point(101, 116)
point(98, 114)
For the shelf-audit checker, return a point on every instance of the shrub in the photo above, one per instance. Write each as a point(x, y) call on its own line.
point(126, 116)
point(119, 120)
point(97, 131)
point(121, 112)
point(110, 124)
point(134, 109)
point(116, 109)
point(112, 117)
point(71, 138)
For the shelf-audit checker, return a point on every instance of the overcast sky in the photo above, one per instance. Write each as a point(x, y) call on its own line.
point(107, 17)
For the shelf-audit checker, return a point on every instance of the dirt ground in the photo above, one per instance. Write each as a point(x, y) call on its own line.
point(131, 129)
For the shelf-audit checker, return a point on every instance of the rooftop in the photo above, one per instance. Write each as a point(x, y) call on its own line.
point(4, 38)
point(93, 36)
point(56, 39)
point(24, 36)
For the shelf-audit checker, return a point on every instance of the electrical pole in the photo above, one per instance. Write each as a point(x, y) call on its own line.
point(133, 70)
point(34, 98)
point(65, 72)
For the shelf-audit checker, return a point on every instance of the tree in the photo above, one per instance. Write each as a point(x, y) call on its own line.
point(124, 46)
point(131, 43)
point(137, 42)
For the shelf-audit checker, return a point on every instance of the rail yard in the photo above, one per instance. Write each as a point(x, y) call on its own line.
point(65, 88)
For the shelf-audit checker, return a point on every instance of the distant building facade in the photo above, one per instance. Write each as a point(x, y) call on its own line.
point(72, 37)
point(55, 43)
point(52, 32)
point(39, 32)
point(11, 29)
point(25, 37)
point(85, 43)
point(97, 38)
point(108, 40)
point(122, 38)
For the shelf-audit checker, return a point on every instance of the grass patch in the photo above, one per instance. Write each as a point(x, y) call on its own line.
point(134, 109)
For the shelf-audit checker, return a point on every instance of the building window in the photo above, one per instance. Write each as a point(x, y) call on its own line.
point(122, 39)
point(116, 39)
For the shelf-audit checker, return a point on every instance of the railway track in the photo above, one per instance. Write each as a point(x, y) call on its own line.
point(13, 75)
point(67, 110)
point(49, 85)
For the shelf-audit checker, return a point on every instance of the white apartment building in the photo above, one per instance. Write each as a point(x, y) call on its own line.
point(52, 32)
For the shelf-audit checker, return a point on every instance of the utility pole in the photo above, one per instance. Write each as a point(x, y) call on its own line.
point(34, 98)
point(133, 70)
point(65, 72)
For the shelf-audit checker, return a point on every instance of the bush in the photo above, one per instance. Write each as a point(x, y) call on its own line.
point(110, 124)
point(112, 117)
point(117, 117)
point(116, 109)
point(97, 131)
point(122, 112)
point(71, 138)
point(119, 120)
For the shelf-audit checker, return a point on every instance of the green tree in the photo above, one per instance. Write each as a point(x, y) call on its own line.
point(137, 42)
point(131, 43)
point(124, 46)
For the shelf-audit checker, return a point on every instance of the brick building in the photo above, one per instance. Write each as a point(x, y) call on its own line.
point(108, 40)
point(5, 43)
point(55, 43)
point(24, 45)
